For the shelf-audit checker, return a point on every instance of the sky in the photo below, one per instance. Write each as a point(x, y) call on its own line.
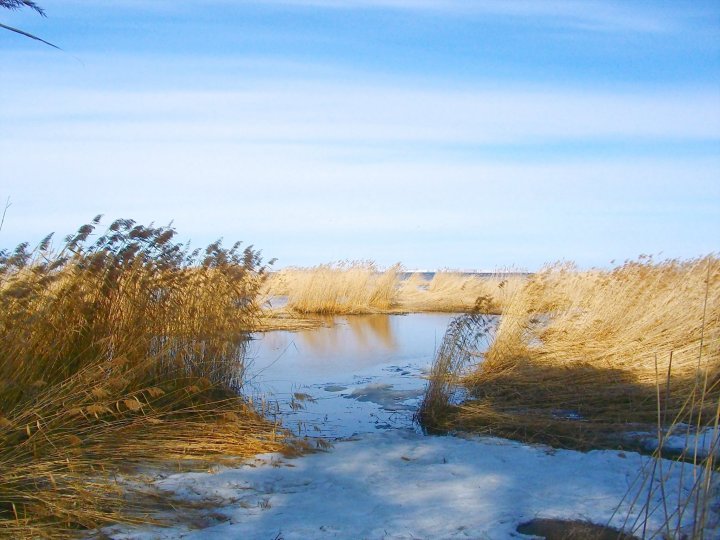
point(483, 134)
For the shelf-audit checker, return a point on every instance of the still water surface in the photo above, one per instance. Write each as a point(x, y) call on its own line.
point(359, 374)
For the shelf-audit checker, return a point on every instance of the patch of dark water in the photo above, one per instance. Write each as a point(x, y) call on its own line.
point(277, 302)
point(334, 388)
point(361, 374)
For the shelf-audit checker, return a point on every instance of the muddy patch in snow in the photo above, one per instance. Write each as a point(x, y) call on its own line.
point(562, 529)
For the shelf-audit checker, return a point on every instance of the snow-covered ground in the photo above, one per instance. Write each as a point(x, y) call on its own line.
point(399, 484)
point(683, 439)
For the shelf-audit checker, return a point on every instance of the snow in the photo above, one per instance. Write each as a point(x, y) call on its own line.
point(399, 484)
point(683, 439)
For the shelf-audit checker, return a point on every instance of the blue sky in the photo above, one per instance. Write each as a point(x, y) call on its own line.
point(439, 133)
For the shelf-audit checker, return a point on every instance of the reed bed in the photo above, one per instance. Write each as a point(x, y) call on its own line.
point(119, 349)
point(342, 288)
point(577, 353)
point(359, 287)
point(458, 292)
point(589, 359)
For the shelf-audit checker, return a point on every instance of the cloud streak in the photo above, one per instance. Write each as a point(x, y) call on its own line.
point(589, 15)
point(323, 112)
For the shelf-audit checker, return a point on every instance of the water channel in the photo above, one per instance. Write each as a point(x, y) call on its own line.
point(358, 374)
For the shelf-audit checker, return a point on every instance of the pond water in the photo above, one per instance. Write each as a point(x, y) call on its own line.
point(358, 374)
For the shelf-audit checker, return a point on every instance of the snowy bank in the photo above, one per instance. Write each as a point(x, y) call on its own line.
point(399, 484)
point(681, 439)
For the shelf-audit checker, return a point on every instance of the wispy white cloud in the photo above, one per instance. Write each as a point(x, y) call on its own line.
point(318, 169)
point(597, 15)
point(308, 204)
point(593, 15)
point(300, 112)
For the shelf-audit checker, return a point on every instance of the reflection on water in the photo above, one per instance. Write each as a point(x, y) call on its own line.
point(372, 329)
point(360, 333)
point(362, 372)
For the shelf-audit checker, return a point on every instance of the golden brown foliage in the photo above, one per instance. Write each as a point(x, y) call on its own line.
point(343, 288)
point(586, 360)
point(359, 287)
point(458, 292)
point(121, 351)
point(596, 346)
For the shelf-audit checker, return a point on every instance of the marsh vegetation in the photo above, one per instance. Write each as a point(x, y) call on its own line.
point(590, 360)
point(360, 287)
point(119, 349)
point(124, 349)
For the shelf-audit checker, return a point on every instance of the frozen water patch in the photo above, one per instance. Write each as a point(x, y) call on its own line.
point(400, 485)
point(388, 397)
point(567, 414)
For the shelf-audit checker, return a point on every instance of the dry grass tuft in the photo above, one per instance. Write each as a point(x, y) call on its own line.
point(119, 349)
point(459, 350)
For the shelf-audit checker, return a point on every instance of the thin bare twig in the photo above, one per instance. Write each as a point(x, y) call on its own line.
point(7, 205)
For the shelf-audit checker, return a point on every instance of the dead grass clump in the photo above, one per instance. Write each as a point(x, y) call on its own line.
point(118, 351)
point(560, 529)
point(445, 291)
point(459, 350)
point(343, 288)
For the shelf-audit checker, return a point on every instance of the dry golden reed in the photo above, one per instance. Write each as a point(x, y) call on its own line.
point(359, 287)
point(342, 288)
point(118, 349)
point(459, 292)
point(584, 345)
point(587, 360)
